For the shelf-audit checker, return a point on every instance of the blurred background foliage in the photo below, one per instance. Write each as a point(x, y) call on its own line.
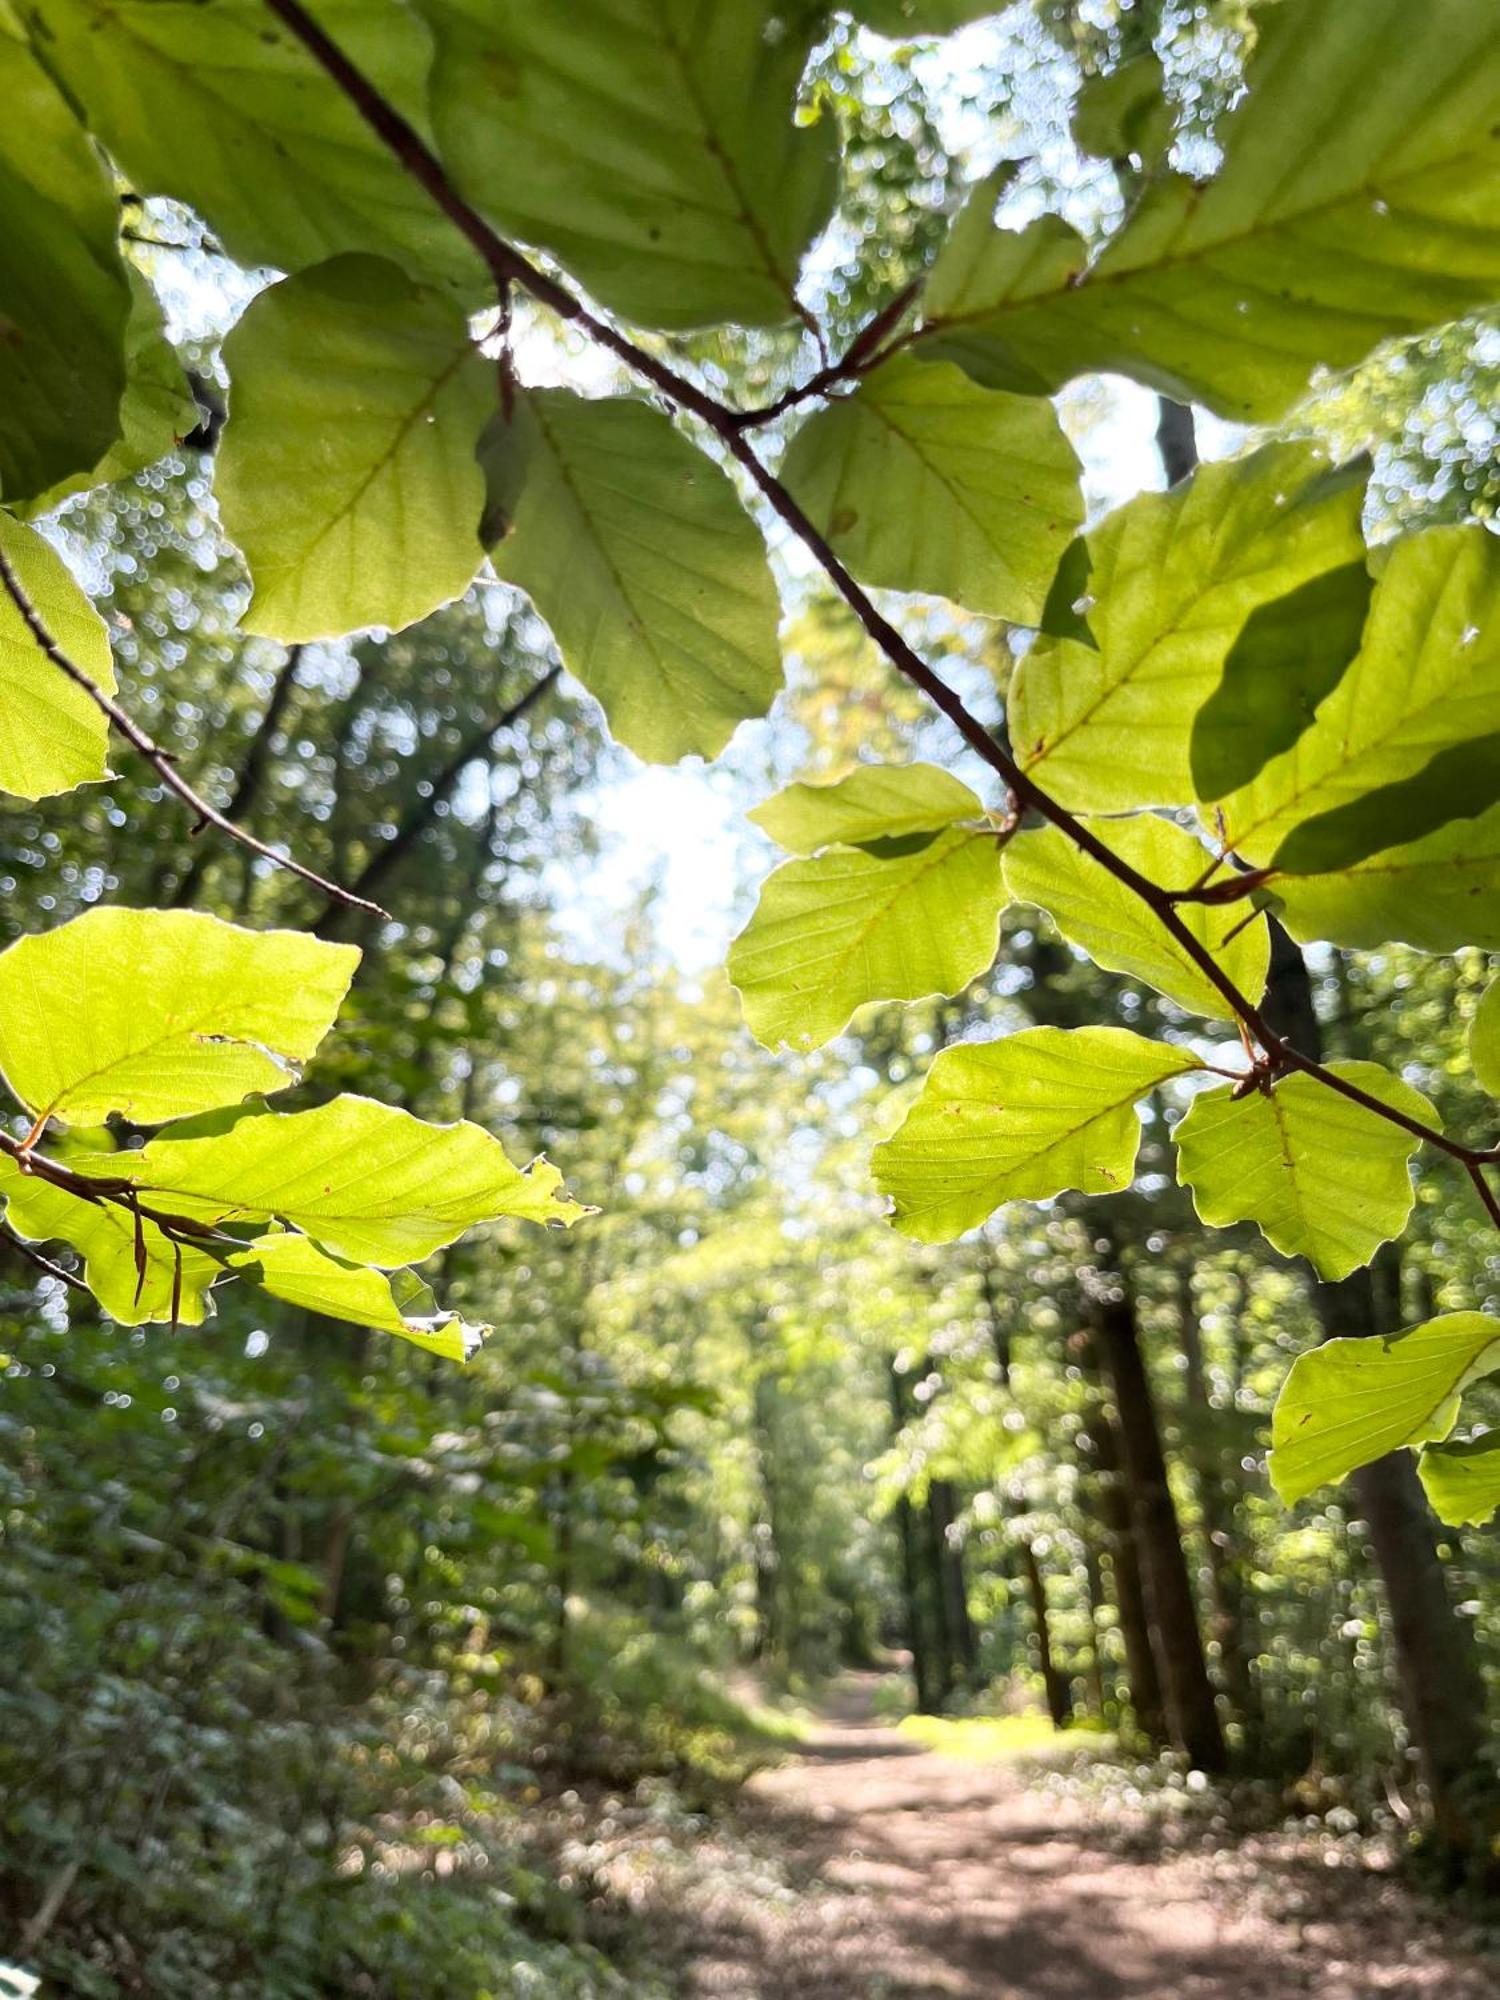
point(309, 1645)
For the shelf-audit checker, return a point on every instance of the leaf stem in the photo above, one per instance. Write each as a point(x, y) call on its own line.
point(162, 762)
point(511, 266)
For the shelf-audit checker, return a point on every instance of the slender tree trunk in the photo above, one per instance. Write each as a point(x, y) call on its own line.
point(1094, 1585)
point(926, 1688)
point(1059, 1694)
point(1437, 1670)
point(1191, 1710)
point(1100, 1442)
point(1218, 1496)
point(944, 1503)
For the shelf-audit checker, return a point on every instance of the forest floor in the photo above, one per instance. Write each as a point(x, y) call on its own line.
point(873, 1868)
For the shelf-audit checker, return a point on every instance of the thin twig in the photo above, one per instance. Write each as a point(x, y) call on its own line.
point(510, 266)
point(162, 761)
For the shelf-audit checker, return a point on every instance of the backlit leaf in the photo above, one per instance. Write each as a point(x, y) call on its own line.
point(1410, 737)
point(1356, 201)
point(831, 934)
point(923, 481)
point(1349, 1402)
point(106, 1237)
point(216, 103)
point(1324, 1178)
point(1173, 578)
point(1462, 1481)
point(1024, 1118)
point(347, 472)
point(53, 736)
point(874, 802)
point(1289, 656)
point(635, 549)
point(156, 412)
point(649, 144)
point(293, 1268)
point(366, 1181)
point(1484, 1040)
point(158, 1014)
point(64, 299)
point(1118, 931)
point(1438, 893)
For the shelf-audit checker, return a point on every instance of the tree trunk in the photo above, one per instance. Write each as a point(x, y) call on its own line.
point(1059, 1695)
point(1191, 1711)
point(943, 1502)
point(1099, 1440)
point(925, 1690)
point(1218, 1496)
point(1437, 1671)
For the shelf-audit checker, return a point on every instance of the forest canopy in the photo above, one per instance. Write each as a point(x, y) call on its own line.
point(384, 386)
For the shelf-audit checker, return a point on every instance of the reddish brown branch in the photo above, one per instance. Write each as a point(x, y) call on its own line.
point(162, 762)
point(510, 266)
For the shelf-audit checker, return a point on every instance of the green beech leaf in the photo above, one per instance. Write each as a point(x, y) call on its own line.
point(874, 802)
point(1349, 1402)
point(1438, 893)
point(1024, 1118)
point(635, 549)
point(217, 104)
point(1125, 112)
point(158, 1014)
point(64, 299)
point(649, 144)
point(52, 735)
point(1323, 1178)
point(921, 480)
point(1484, 1040)
point(1290, 655)
point(293, 1268)
point(1462, 1480)
point(364, 1180)
point(1410, 737)
point(347, 473)
point(106, 1237)
point(156, 413)
point(1118, 931)
point(1173, 578)
point(1357, 200)
point(832, 934)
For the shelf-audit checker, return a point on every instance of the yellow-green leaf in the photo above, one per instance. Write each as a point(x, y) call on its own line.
point(1119, 931)
point(347, 473)
point(53, 736)
point(159, 1014)
point(923, 481)
point(365, 1180)
point(1024, 1118)
point(831, 934)
point(651, 145)
point(1357, 200)
point(1410, 737)
point(293, 1268)
point(1349, 1402)
point(110, 1241)
point(635, 549)
point(1484, 1040)
point(1324, 1178)
point(216, 103)
point(1438, 893)
point(1462, 1480)
point(1174, 576)
point(64, 300)
point(874, 802)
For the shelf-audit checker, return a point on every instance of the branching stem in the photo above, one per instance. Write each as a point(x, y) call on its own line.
point(162, 762)
point(510, 266)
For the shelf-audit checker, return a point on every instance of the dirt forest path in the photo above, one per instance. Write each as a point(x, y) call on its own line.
point(881, 1871)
